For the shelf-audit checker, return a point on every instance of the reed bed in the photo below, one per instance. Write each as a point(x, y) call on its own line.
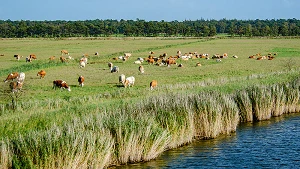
point(99, 137)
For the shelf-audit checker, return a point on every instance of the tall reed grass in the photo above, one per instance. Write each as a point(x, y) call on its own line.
point(98, 137)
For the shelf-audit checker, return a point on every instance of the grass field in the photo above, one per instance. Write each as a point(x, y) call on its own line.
point(105, 112)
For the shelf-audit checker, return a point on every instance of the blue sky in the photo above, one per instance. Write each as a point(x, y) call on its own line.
point(149, 10)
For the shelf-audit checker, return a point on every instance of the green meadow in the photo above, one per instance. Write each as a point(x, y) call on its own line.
point(104, 124)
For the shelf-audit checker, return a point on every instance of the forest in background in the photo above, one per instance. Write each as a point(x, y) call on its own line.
point(142, 28)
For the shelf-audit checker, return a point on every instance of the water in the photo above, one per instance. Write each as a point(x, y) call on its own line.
point(267, 144)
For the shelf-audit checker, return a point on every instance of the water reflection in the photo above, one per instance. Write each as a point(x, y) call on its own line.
point(267, 144)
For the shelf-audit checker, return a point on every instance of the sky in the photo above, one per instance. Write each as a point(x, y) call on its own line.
point(148, 10)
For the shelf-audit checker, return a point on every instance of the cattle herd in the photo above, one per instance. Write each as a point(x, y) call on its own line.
point(17, 79)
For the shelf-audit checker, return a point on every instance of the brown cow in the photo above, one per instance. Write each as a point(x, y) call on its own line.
point(15, 86)
point(63, 59)
point(141, 69)
point(150, 61)
point(61, 84)
point(80, 81)
point(32, 56)
point(11, 76)
point(52, 58)
point(153, 84)
point(171, 61)
point(42, 74)
point(64, 52)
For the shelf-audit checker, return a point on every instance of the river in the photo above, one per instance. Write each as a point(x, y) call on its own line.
point(267, 144)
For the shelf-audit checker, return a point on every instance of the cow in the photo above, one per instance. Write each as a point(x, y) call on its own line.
point(150, 61)
point(122, 79)
point(96, 54)
point(235, 56)
point(110, 65)
point(127, 55)
point(15, 86)
point(129, 81)
point(114, 69)
point(198, 64)
point(178, 53)
point(28, 59)
point(137, 62)
point(153, 84)
point(80, 81)
point(141, 69)
point(18, 57)
point(52, 58)
point(63, 59)
point(81, 63)
point(41, 73)
point(170, 61)
point(61, 84)
point(180, 65)
point(21, 77)
point(32, 56)
point(11, 77)
point(64, 52)
point(84, 59)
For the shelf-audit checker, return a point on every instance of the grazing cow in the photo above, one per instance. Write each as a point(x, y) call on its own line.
point(198, 64)
point(81, 63)
point(64, 52)
point(151, 52)
point(63, 59)
point(28, 59)
point(122, 79)
point(114, 69)
point(225, 55)
point(11, 77)
point(18, 57)
point(52, 58)
point(21, 77)
point(96, 54)
point(252, 57)
point(41, 73)
point(153, 84)
point(110, 65)
point(129, 81)
point(80, 81)
point(235, 56)
point(32, 56)
point(15, 86)
point(84, 59)
point(127, 55)
point(61, 84)
point(141, 69)
point(170, 62)
point(150, 61)
point(218, 60)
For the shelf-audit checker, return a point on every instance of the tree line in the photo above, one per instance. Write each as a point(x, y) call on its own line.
point(142, 28)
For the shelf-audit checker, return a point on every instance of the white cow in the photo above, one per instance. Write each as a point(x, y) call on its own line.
point(122, 79)
point(21, 77)
point(81, 63)
point(129, 81)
